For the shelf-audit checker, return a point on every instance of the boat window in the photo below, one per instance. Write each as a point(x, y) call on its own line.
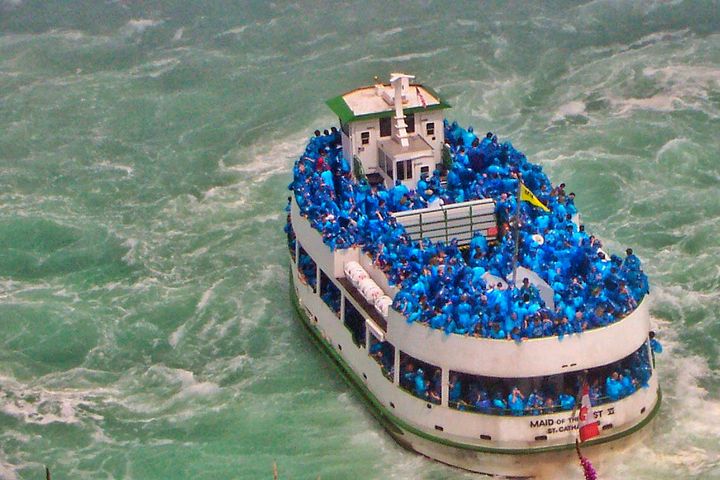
point(307, 269)
point(330, 293)
point(290, 238)
point(549, 394)
point(404, 170)
point(421, 379)
point(385, 127)
point(385, 163)
point(365, 138)
point(430, 129)
point(355, 322)
point(410, 122)
point(384, 355)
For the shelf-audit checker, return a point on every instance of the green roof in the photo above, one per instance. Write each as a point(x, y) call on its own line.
point(345, 113)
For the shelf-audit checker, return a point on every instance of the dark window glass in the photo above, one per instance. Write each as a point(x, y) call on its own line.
point(408, 169)
point(430, 129)
point(384, 355)
point(410, 121)
point(555, 393)
point(365, 138)
point(400, 169)
point(355, 322)
point(290, 237)
point(420, 378)
point(330, 293)
point(385, 127)
point(307, 269)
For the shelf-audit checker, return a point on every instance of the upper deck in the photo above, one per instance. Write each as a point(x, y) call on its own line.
point(572, 286)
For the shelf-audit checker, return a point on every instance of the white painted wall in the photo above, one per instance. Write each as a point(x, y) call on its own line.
point(311, 240)
point(366, 153)
point(437, 117)
point(530, 358)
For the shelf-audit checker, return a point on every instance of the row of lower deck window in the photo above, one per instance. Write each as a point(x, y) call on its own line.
point(474, 393)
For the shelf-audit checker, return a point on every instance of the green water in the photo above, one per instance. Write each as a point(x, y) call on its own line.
point(145, 149)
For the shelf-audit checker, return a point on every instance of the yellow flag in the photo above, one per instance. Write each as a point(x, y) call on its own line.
point(528, 196)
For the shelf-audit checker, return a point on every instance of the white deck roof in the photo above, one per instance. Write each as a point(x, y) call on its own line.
point(364, 101)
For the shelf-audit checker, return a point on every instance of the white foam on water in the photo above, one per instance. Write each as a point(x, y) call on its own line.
point(207, 294)
point(162, 391)
point(234, 30)
point(413, 56)
point(570, 109)
point(682, 87)
point(177, 336)
point(7, 470)
point(156, 68)
point(131, 257)
point(139, 25)
point(107, 166)
point(178, 34)
point(42, 406)
point(385, 34)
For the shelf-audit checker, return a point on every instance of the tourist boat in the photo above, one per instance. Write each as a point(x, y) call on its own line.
point(446, 392)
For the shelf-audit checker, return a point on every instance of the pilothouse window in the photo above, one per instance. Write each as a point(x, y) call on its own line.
point(410, 122)
point(404, 170)
point(385, 127)
point(430, 129)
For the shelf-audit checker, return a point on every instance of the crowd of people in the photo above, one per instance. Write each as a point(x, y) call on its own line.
point(443, 285)
point(519, 397)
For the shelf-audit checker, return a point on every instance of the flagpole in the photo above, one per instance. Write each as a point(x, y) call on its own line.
point(517, 230)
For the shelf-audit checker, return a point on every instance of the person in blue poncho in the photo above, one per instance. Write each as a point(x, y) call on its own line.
point(655, 345)
point(421, 385)
point(613, 386)
point(535, 402)
point(629, 385)
point(499, 405)
point(407, 376)
point(455, 388)
point(439, 319)
point(567, 402)
point(516, 401)
point(496, 332)
point(482, 402)
point(631, 262)
point(463, 312)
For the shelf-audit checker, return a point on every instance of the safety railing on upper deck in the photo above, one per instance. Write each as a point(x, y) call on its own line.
point(458, 221)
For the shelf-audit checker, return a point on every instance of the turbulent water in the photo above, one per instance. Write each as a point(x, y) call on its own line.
point(145, 149)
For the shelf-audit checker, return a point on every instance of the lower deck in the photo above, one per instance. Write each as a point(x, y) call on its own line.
point(437, 420)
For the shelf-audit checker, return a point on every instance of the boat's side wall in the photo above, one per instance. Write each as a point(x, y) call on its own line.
point(458, 428)
point(331, 262)
point(530, 358)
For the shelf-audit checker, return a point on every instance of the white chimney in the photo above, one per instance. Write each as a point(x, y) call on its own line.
point(401, 84)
